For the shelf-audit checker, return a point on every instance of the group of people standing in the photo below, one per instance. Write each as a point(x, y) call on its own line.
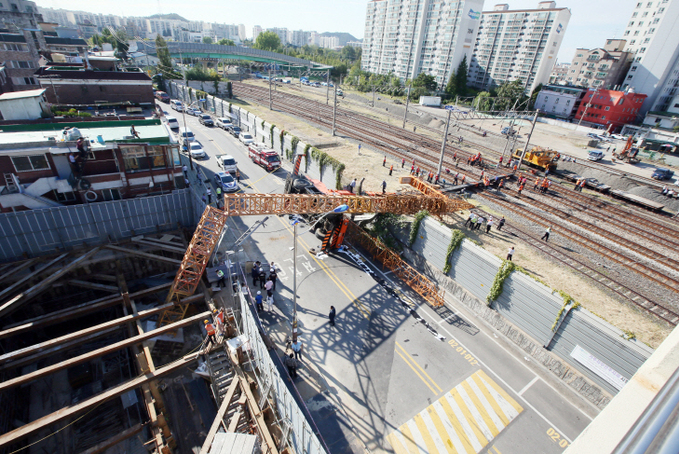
point(265, 282)
point(474, 222)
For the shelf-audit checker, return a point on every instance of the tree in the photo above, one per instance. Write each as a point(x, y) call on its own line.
point(268, 41)
point(349, 53)
point(451, 88)
point(508, 93)
point(482, 102)
point(207, 40)
point(163, 53)
point(534, 97)
point(426, 81)
point(461, 77)
point(226, 42)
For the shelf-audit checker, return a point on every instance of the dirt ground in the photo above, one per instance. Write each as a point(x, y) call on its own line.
point(368, 165)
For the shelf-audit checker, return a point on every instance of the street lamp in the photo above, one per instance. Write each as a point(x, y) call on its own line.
point(294, 220)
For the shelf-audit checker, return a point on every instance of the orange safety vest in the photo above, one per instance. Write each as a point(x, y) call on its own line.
point(210, 329)
point(220, 317)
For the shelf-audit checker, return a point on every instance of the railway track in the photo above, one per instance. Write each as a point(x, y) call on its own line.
point(401, 143)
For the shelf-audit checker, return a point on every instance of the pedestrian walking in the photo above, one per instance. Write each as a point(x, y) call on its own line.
point(384, 161)
point(352, 185)
point(436, 179)
point(412, 169)
point(455, 178)
point(520, 189)
point(291, 364)
point(218, 193)
point(255, 274)
point(510, 253)
point(186, 171)
point(479, 221)
point(414, 128)
point(464, 177)
point(199, 176)
point(220, 275)
point(469, 219)
point(489, 224)
point(403, 162)
point(258, 301)
point(359, 149)
point(500, 185)
point(269, 302)
point(297, 349)
point(262, 278)
point(501, 223)
point(238, 175)
point(208, 192)
point(210, 328)
point(391, 169)
point(331, 316)
point(546, 235)
point(537, 184)
point(384, 186)
point(269, 287)
point(204, 199)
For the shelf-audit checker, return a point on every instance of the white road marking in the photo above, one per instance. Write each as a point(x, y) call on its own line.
point(531, 383)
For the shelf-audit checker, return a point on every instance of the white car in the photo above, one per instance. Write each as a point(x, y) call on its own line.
point(193, 111)
point(223, 123)
point(246, 138)
point(185, 134)
point(618, 137)
point(197, 151)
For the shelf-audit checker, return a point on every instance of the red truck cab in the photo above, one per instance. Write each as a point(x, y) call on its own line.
point(263, 156)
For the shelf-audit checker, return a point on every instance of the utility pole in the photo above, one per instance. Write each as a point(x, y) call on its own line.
point(294, 282)
point(405, 115)
point(334, 112)
point(509, 136)
point(525, 148)
point(327, 87)
point(270, 97)
point(443, 145)
point(584, 112)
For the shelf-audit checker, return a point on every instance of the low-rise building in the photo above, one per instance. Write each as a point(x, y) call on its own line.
point(80, 86)
point(609, 109)
point(35, 161)
point(602, 67)
point(24, 105)
point(559, 101)
point(559, 73)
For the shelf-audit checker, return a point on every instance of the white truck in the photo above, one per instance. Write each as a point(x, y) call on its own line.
point(430, 101)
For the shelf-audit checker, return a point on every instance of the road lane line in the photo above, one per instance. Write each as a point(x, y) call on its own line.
point(415, 370)
point(432, 447)
point(418, 366)
point(531, 383)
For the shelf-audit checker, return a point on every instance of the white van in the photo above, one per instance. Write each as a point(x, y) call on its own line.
point(177, 105)
point(186, 135)
point(172, 122)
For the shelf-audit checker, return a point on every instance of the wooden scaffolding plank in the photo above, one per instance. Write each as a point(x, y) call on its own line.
point(72, 410)
point(219, 419)
point(27, 378)
point(16, 354)
point(122, 436)
point(14, 303)
point(146, 255)
point(159, 245)
point(55, 317)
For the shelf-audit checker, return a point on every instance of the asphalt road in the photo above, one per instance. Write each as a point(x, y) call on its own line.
point(386, 381)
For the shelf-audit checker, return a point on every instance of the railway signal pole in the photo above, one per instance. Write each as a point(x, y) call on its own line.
point(334, 112)
point(270, 96)
point(327, 87)
point(445, 139)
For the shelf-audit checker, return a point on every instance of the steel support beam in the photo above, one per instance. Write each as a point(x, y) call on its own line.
point(146, 255)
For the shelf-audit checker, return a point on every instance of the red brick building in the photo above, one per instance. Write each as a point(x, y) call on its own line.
point(609, 109)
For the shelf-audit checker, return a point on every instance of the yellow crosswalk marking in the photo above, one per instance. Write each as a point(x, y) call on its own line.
point(463, 421)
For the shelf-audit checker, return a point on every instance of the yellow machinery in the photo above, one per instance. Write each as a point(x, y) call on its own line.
point(540, 157)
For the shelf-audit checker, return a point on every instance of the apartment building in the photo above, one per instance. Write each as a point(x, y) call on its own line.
point(559, 101)
point(610, 109)
point(408, 37)
point(299, 38)
point(256, 30)
point(653, 42)
point(559, 73)
point(282, 34)
point(517, 45)
point(601, 67)
point(17, 15)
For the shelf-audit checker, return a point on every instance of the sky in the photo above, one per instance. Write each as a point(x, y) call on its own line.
point(591, 23)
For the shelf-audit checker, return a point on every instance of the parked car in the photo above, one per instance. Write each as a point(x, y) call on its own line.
point(507, 131)
point(235, 131)
point(177, 105)
point(193, 111)
point(246, 138)
point(205, 120)
point(227, 163)
point(618, 137)
point(185, 134)
point(595, 155)
point(224, 123)
point(226, 181)
point(172, 122)
point(340, 92)
point(197, 151)
point(662, 174)
point(162, 96)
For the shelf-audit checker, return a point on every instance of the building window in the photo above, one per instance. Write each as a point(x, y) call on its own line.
point(30, 163)
point(649, 4)
point(642, 50)
point(22, 64)
point(15, 47)
point(607, 108)
point(111, 194)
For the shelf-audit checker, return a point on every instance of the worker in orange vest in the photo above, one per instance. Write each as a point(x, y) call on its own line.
point(218, 315)
point(210, 328)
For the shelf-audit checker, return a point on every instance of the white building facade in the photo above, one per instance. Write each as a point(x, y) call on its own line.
point(517, 45)
point(256, 30)
point(562, 102)
point(653, 40)
point(410, 37)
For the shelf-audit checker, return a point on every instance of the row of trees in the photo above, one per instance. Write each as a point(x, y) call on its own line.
point(117, 39)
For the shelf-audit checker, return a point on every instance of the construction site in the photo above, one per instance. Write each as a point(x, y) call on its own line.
point(104, 348)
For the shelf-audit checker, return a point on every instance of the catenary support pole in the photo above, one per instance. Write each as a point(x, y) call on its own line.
point(334, 112)
point(294, 282)
point(443, 145)
point(525, 148)
point(405, 115)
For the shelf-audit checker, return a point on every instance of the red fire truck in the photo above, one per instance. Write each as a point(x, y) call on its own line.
point(264, 156)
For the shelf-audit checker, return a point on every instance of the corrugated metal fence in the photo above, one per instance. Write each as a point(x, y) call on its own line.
point(534, 307)
point(40, 232)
